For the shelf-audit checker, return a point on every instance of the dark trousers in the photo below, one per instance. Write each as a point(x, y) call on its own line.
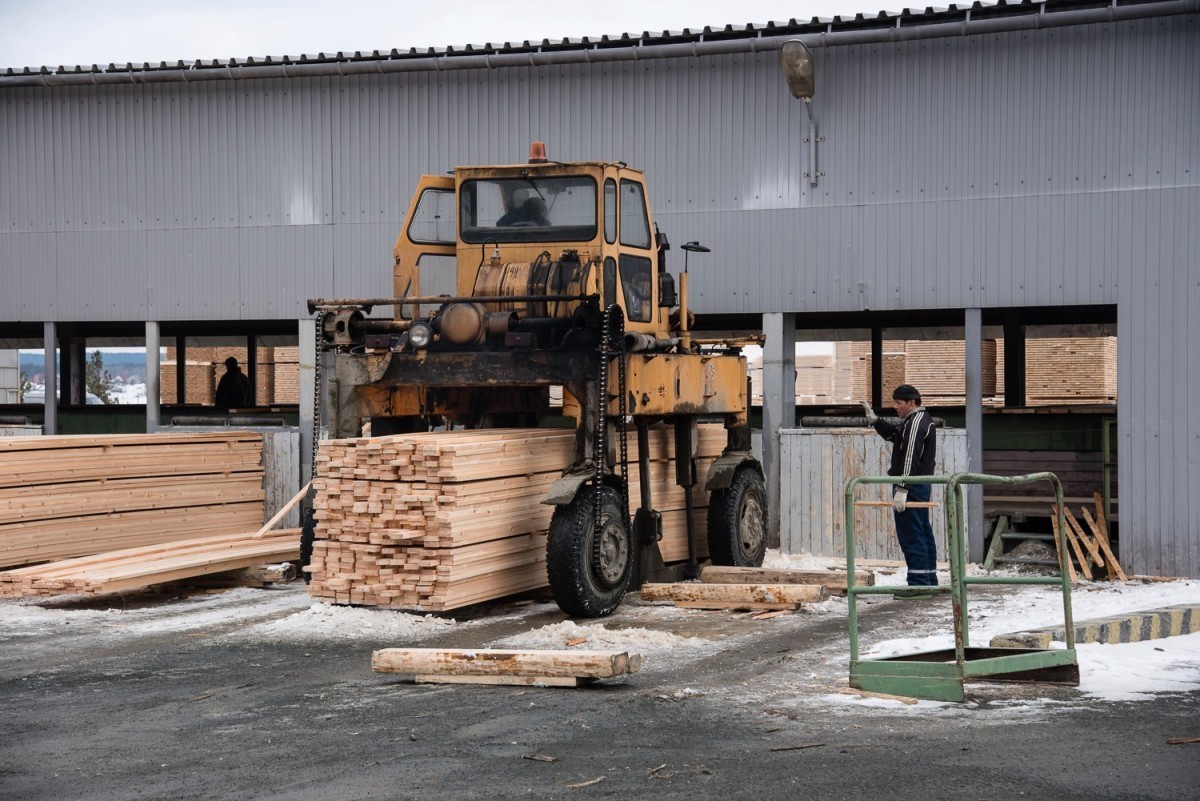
point(916, 539)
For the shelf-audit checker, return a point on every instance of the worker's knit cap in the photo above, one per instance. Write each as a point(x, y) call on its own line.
point(906, 392)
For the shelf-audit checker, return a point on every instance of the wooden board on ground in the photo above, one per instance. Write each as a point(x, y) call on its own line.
point(494, 666)
point(134, 568)
point(832, 580)
point(735, 596)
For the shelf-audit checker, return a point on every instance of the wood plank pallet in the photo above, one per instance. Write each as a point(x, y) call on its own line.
point(438, 521)
point(69, 496)
point(133, 568)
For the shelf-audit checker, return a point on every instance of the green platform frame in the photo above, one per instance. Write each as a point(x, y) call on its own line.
point(941, 675)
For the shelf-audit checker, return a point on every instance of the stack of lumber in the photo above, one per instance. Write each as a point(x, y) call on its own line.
point(486, 666)
point(939, 370)
point(437, 521)
point(1071, 370)
point(133, 568)
point(1088, 549)
point(1066, 370)
point(893, 369)
point(68, 496)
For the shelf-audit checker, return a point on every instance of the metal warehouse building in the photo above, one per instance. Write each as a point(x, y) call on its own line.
point(962, 169)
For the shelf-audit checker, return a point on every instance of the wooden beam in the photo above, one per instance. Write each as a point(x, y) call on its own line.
point(740, 593)
point(718, 574)
point(491, 662)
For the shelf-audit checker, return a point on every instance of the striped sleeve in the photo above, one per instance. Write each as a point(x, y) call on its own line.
point(910, 453)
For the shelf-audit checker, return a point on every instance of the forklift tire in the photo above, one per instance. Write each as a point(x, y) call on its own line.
point(308, 535)
point(737, 520)
point(582, 586)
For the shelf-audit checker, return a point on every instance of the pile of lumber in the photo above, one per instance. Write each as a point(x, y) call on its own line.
point(69, 496)
point(133, 568)
point(1090, 553)
point(939, 371)
point(486, 666)
point(692, 595)
point(437, 521)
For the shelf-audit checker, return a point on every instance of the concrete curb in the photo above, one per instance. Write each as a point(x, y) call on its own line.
point(1134, 627)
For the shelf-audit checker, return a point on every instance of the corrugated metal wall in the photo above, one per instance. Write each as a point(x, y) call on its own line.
point(1042, 167)
point(816, 464)
point(967, 171)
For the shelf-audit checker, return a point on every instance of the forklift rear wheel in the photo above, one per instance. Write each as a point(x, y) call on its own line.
point(589, 571)
point(737, 520)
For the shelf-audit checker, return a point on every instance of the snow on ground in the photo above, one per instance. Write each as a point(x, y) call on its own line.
point(668, 637)
point(325, 622)
point(654, 646)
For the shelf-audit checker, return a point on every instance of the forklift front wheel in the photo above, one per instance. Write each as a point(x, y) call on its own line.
point(589, 570)
point(737, 520)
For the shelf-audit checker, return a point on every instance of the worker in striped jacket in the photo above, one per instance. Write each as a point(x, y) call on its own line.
point(914, 448)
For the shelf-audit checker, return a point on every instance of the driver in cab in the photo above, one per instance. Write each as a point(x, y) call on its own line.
point(530, 212)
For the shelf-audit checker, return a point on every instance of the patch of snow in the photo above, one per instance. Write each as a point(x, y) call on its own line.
point(1135, 671)
point(597, 637)
point(322, 621)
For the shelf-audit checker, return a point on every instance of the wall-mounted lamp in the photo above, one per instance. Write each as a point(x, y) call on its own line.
point(796, 61)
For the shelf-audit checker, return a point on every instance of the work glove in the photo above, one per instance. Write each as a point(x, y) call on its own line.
point(869, 412)
point(900, 499)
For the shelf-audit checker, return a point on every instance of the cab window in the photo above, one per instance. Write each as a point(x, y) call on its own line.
point(610, 211)
point(433, 219)
point(635, 223)
point(528, 209)
point(635, 281)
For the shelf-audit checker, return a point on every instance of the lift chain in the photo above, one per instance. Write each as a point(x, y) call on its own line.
point(318, 360)
point(612, 343)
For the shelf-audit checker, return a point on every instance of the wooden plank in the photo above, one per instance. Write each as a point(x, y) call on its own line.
point(1063, 556)
point(572, 663)
point(718, 574)
point(1113, 565)
point(521, 681)
point(1092, 550)
point(750, 593)
point(1077, 549)
point(908, 505)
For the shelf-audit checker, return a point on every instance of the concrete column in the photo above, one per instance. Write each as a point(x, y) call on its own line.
point(877, 368)
point(974, 409)
point(779, 405)
point(74, 373)
point(252, 367)
point(153, 370)
point(309, 428)
point(1014, 359)
point(50, 372)
point(180, 370)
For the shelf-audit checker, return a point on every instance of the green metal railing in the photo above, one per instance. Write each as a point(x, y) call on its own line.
point(976, 663)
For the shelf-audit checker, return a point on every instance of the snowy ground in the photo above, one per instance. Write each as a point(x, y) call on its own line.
point(668, 638)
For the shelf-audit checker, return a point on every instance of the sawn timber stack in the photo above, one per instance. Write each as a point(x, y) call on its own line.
point(438, 521)
point(69, 496)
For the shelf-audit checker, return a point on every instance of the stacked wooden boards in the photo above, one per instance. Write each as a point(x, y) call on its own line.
point(68, 496)
point(437, 521)
point(132, 568)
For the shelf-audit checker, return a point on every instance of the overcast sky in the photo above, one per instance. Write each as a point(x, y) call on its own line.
point(53, 32)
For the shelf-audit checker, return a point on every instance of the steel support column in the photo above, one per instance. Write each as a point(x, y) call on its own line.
point(779, 406)
point(973, 334)
point(50, 377)
point(153, 366)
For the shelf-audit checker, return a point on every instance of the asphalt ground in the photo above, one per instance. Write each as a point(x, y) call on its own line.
point(192, 697)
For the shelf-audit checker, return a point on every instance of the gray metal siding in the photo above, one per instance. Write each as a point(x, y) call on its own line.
point(1158, 380)
point(967, 171)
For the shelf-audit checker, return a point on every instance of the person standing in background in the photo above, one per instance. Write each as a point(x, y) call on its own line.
point(914, 449)
point(234, 390)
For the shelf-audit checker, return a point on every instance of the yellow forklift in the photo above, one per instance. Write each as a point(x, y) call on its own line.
point(513, 280)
